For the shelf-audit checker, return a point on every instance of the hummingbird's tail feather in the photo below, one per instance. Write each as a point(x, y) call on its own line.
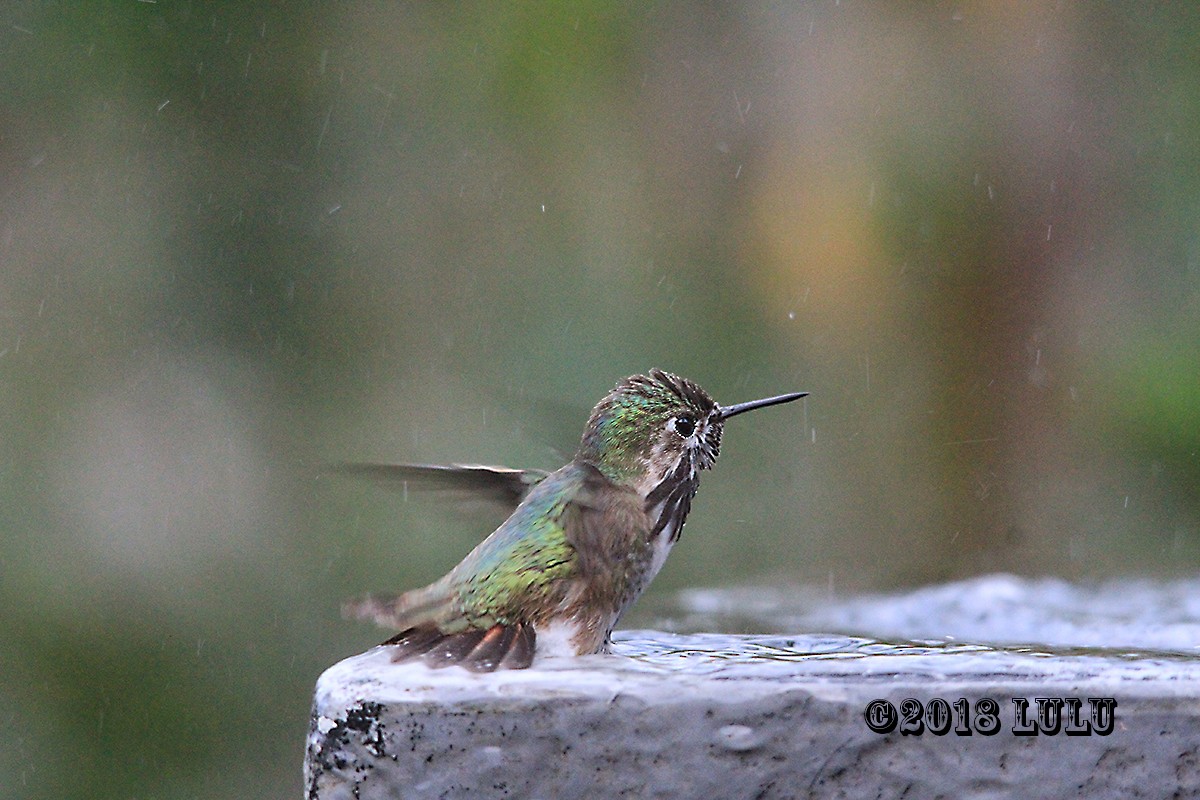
point(452, 649)
point(431, 626)
point(500, 646)
point(413, 642)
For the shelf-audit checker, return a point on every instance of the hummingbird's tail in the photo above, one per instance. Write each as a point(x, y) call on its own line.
point(430, 627)
point(500, 646)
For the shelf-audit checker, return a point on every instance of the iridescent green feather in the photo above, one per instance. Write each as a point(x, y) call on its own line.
point(616, 439)
point(522, 565)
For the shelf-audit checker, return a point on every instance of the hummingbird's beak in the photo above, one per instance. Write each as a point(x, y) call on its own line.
point(732, 411)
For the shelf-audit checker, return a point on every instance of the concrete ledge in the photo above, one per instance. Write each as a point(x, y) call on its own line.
point(756, 717)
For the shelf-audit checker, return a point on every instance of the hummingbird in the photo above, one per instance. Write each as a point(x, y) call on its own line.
point(583, 542)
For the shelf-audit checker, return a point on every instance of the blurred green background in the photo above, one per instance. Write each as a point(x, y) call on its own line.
point(240, 240)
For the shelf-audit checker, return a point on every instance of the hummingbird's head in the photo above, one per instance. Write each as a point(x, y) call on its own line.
point(658, 428)
point(651, 426)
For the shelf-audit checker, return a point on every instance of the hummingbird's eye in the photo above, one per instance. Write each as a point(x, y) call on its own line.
point(685, 425)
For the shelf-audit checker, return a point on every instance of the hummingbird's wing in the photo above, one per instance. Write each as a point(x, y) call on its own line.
point(554, 558)
point(430, 626)
point(502, 485)
point(482, 614)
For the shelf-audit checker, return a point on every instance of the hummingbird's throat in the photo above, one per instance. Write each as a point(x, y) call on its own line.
point(668, 503)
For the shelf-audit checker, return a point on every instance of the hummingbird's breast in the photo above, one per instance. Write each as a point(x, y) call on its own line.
point(619, 539)
point(666, 524)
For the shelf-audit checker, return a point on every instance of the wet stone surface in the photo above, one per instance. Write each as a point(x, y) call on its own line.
point(717, 715)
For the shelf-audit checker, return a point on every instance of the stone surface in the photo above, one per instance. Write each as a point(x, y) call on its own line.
point(712, 715)
point(1128, 615)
